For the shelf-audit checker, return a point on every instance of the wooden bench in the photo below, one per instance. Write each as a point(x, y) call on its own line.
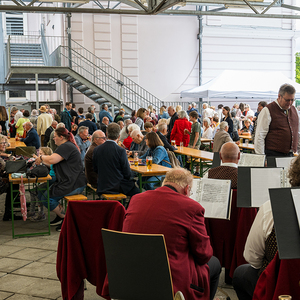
point(117, 197)
point(90, 187)
point(78, 197)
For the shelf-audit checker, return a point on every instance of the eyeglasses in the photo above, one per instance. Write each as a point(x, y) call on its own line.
point(4, 143)
point(288, 100)
point(100, 137)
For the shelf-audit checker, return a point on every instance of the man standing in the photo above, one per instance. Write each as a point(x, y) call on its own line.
point(80, 116)
point(277, 126)
point(32, 138)
point(82, 140)
point(104, 124)
point(48, 132)
point(73, 112)
point(104, 113)
point(88, 123)
point(44, 120)
point(173, 114)
point(66, 117)
point(98, 138)
point(112, 166)
point(94, 114)
point(168, 210)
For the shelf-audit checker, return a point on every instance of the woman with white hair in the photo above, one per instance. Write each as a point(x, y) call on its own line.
point(208, 132)
point(33, 118)
point(180, 125)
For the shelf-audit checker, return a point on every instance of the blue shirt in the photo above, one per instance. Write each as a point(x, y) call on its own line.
point(103, 113)
point(83, 146)
point(159, 154)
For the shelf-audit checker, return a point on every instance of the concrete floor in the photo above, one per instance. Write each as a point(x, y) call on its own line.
point(27, 264)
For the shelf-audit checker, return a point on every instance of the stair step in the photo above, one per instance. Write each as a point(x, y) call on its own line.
point(76, 84)
point(89, 93)
point(70, 79)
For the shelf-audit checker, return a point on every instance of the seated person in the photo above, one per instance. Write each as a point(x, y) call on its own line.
point(112, 166)
point(32, 138)
point(162, 130)
point(261, 245)
point(139, 143)
point(67, 165)
point(221, 137)
point(127, 141)
point(124, 134)
point(148, 127)
point(159, 156)
point(208, 132)
point(168, 210)
point(247, 129)
point(83, 141)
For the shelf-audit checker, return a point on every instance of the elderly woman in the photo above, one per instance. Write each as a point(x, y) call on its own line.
point(207, 130)
point(159, 156)
point(33, 118)
point(70, 178)
point(247, 129)
point(180, 125)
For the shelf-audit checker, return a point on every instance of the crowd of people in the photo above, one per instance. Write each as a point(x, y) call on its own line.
point(81, 148)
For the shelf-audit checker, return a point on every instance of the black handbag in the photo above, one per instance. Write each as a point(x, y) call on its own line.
point(38, 171)
point(16, 166)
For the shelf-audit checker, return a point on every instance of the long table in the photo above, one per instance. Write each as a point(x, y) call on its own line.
point(246, 146)
point(196, 154)
point(157, 170)
point(14, 144)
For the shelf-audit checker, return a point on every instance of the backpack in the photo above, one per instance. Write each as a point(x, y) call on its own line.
point(38, 171)
point(174, 162)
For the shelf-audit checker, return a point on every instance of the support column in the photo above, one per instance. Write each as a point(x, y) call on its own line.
point(200, 55)
point(2, 65)
point(69, 15)
point(37, 91)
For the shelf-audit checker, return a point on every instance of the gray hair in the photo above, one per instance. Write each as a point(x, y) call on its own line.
point(182, 114)
point(223, 125)
point(82, 128)
point(286, 88)
point(205, 105)
point(136, 132)
point(113, 131)
point(34, 112)
point(59, 125)
point(104, 106)
point(194, 104)
point(179, 176)
point(133, 127)
point(161, 126)
point(127, 122)
point(207, 120)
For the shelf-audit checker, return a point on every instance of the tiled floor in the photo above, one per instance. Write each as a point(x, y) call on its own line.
point(27, 265)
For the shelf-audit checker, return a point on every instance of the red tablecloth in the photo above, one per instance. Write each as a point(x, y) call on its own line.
point(281, 277)
point(80, 252)
point(228, 237)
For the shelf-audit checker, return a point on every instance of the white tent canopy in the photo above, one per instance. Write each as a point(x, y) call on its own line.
point(234, 84)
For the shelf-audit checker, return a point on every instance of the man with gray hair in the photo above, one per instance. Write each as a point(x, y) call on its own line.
point(221, 137)
point(112, 166)
point(277, 125)
point(161, 132)
point(168, 210)
point(173, 114)
point(138, 143)
point(32, 138)
point(82, 139)
point(123, 134)
point(98, 138)
point(104, 113)
point(48, 132)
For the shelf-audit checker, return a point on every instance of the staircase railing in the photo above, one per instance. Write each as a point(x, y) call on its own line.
point(88, 65)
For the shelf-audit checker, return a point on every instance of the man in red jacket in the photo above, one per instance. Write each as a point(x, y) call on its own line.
point(168, 210)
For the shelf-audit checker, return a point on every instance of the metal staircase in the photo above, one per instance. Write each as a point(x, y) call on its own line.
point(85, 72)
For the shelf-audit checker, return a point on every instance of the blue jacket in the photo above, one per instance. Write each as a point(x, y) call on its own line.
point(66, 118)
point(83, 146)
point(165, 115)
point(90, 125)
point(32, 139)
point(103, 113)
point(158, 155)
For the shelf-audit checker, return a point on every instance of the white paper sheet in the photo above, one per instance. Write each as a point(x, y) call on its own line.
point(213, 195)
point(252, 160)
point(262, 179)
point(296, 199)
point(284, 162)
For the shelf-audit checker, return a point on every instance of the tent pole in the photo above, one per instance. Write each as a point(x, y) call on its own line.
point(200, 55)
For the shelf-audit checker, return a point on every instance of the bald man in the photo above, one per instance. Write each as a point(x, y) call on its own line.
point(223, 233)
point(98, 138)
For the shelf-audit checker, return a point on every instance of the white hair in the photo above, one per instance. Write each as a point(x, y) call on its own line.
point(223, 125)
point(133, 127)
point(207, 120)
point(182, 114)
point(135, 133)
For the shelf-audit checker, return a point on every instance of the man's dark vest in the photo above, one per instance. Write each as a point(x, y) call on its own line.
point(224, 172)
point(283, 129)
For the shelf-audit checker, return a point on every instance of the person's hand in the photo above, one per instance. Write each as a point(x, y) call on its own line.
point(17, 139)
point(34, 156)
point(37, 161)
point(237, 142)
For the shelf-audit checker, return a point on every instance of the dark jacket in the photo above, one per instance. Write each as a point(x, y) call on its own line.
point(32, 139)
point(66, 118)
point(171, 124)
point(47, 135)
point(167, 145)
point(91, 126)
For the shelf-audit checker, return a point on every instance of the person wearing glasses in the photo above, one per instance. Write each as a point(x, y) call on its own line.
point(98, 138)
point(277, 125)
point(168, 210)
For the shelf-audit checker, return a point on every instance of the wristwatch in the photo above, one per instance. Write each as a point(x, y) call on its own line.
point(41, 158)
